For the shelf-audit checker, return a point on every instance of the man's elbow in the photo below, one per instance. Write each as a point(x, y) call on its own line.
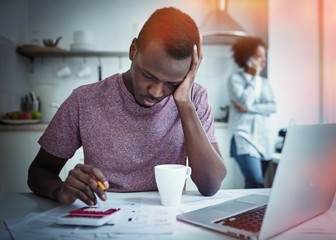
point(213, 185)
point(30, 179)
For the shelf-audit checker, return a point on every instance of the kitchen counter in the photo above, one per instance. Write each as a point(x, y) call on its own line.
point(42, 126)
point(23, 128)
point(221, 124)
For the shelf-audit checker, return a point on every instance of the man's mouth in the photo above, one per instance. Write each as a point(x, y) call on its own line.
point(149, 102)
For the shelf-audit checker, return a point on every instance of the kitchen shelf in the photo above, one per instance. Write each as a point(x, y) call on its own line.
point(32, 52)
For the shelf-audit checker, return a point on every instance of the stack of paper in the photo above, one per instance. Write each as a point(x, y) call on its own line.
point(144, 222)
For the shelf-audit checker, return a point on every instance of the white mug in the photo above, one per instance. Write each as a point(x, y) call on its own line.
point(84, 72)
point(64, 71)
point(170, 180)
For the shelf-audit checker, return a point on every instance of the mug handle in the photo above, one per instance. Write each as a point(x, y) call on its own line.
point(188, 171)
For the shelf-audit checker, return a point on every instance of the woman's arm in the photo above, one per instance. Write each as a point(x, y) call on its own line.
point(241, 92)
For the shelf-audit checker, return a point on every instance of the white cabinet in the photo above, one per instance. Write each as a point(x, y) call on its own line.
point(18, 149)
point(234, 178)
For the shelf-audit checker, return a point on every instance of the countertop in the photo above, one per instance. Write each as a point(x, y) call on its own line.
point(42, 226)
point(23, 127)
point(42, 126)
point(11, 208)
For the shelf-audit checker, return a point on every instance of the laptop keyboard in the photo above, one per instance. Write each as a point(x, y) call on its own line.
point(248, 221)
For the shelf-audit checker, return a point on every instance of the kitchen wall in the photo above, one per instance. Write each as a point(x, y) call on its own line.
point(328, 61)
point(302, 58)
point(299, 66)
point(114, 23)
point(13, 78)
point(294, 60)
point(302, 73)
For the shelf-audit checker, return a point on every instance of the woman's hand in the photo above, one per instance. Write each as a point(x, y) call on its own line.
point(255, 68)
point(238, 107)
point(81, 183)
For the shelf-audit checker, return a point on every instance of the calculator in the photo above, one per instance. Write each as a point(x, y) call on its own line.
point(89, 216)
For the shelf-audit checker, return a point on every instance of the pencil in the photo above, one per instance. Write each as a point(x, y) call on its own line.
point(100, 184)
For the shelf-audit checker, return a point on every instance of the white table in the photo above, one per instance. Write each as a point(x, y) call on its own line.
point(20, 204)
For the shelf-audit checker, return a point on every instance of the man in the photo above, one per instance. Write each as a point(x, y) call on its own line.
point(152, 114)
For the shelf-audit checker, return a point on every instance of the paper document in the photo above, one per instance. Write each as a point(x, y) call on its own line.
point(133, 220)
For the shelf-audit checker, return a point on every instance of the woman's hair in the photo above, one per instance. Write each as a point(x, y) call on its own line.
point(244, 48)
point(176, 29)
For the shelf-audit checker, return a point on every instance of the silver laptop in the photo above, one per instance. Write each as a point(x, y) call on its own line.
point(304, 187)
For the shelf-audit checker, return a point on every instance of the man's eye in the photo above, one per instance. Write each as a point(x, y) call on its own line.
point(174, 84)
point(148, 76)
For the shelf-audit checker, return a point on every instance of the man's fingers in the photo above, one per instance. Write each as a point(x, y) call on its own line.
point(80, 184)
point(84, 181)
point(100, 177)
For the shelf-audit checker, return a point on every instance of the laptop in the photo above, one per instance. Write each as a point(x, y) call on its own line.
point(303, 188)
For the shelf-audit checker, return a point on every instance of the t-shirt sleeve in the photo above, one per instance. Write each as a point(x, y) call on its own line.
point(62, 136)
point(204, 111)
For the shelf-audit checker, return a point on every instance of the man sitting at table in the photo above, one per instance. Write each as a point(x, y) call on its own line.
point(152, 114)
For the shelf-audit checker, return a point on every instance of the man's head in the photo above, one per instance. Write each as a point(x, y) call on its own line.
point(175, 29)
point(161, 55)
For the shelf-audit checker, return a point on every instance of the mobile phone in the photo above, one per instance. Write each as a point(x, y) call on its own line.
point(251, 61)
point(89, 216)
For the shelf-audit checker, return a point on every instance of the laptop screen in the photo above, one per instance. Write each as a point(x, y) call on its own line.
point(305, 182)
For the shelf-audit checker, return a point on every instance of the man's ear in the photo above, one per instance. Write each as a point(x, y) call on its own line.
point(133, 49)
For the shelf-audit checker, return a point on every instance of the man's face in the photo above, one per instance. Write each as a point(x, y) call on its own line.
point(154, 75)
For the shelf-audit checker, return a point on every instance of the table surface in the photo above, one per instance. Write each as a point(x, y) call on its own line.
point(20, 204)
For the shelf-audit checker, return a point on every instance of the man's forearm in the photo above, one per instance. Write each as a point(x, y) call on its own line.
point(208, 169)
point(43, 183)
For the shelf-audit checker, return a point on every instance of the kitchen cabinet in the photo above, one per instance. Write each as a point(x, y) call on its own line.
point(234, 177)
point(18, 149)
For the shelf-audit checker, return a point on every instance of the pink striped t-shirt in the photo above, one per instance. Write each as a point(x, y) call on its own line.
point(124, 140)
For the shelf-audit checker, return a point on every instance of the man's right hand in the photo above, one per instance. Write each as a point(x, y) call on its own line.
point(81, 183)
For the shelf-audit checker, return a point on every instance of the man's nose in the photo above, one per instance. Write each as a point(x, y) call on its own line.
point(156, 90)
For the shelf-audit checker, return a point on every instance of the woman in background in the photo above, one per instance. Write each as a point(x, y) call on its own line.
point(252, 103)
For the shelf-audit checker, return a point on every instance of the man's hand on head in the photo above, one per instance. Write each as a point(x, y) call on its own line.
point(183, 91)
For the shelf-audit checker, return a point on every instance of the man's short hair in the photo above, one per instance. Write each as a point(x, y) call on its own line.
point(176, 29)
